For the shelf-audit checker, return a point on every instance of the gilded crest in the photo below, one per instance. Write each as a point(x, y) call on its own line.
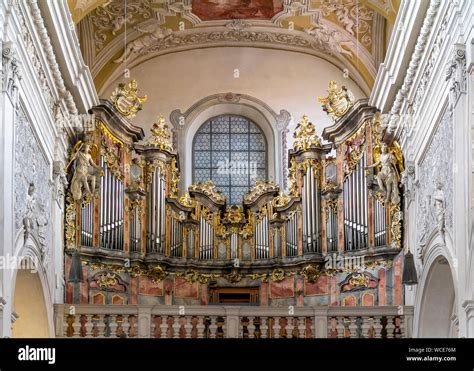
point(126, 100)
point(338, 101)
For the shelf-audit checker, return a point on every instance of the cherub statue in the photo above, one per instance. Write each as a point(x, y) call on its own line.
point(387, 178)
point(151, 35)
point(86, 170)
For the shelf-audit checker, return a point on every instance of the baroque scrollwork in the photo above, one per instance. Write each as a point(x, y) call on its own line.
point(111, 18)
point(11, 71)
point(281, 200)
point(161, 135)
point(305, 135)
point(355, 18)
point(437, 164)
point(151, 35)
point(126, 100)
point(456, 73)
point(261, 187)
point(32, 189)
point(338, 100)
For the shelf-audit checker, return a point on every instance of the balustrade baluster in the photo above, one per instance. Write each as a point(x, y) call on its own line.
point(340, 327)
point(301, 327)
point(378, 327)
point(390, 327)
point(251, 327)
point(276, 328)
point(170, 328)
point(264, 327)
point(212, 327)
point(106, 322)
point(200, 327)
point(132, 326)
point(176, 327)
point(187, 327)
point(164, 327)
point(83, 321)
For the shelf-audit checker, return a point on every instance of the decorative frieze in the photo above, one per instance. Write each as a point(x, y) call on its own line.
point(435, 183)
point(32, 203)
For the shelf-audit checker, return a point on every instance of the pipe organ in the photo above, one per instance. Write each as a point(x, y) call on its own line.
point(355, 207)
point(111, 211)
point(206, 234)
point(156, 200)
point(333, 204)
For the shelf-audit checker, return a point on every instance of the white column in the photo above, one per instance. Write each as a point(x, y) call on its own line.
point(8, 101)
point(461, 168)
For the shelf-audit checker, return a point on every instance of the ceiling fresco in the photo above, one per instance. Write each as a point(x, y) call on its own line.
point(208, 10)
point(351, 34)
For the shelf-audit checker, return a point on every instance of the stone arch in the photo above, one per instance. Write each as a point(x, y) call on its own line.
point(273, 125)
point(32, 303)
point(435, 302)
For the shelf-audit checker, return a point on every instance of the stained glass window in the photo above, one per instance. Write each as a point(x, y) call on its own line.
point(232, 152)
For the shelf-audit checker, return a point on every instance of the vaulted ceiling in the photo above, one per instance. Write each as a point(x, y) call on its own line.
point(119, 34)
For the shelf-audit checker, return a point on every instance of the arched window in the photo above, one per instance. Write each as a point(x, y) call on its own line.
point(232, 152)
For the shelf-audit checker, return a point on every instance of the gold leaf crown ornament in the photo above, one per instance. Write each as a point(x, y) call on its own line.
point(305, 135)
point(161, 135)
point(126, 100)
point(338, 101)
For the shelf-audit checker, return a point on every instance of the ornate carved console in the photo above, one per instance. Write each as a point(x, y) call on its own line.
point(333, 238)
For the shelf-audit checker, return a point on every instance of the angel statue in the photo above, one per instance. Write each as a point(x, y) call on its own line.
point(85, 170)
point(151, 35)
point(387, 177)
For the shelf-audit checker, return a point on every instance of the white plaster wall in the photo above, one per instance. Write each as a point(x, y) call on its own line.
point(281, 79)
point(427, 102)
point(38, 99)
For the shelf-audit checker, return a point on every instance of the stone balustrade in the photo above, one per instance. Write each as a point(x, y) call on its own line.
point(148, 321)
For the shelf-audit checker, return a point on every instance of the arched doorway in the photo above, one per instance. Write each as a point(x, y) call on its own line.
point(29, 306)
point(437, 301)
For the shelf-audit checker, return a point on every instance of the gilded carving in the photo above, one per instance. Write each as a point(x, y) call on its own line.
point(161, 135)
point(281, 200)
point(305, 135)
point(70, 232)
point(107, 280)
point(354, 149)
point(174, 178)
point(311, 273)
point(126, 100)
point(338, 101)
point(209, 189)
point(277, 275)
point(152, 166)
point(396, 216)
point(261, 187)
point(234, 214)
point(186, 200)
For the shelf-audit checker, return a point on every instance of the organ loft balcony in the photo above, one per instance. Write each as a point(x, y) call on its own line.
point(320, 257)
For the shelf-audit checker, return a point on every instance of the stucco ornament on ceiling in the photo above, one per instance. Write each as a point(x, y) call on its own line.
point(334, 30)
